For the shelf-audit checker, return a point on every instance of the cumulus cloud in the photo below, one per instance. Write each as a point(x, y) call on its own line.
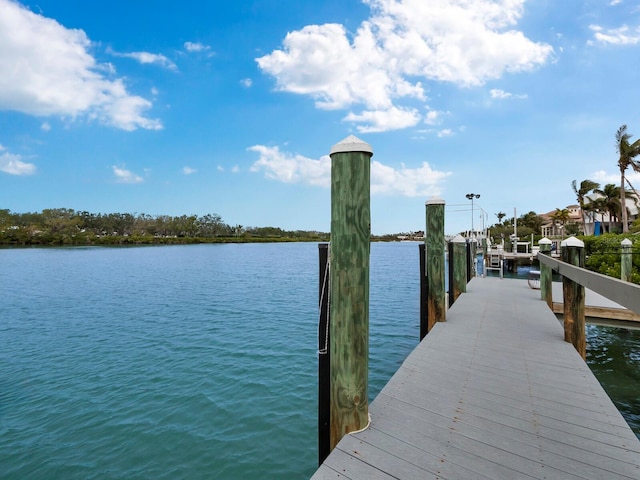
point(603, 177)
point(126, 176)
point(147, 58)
point(48, 69)
point(445, 132)
point(188, 170)
point(408, 182)
point(393, 118)
point(615, 36)
point(246, 82)
point(13, 165)
point(433, 117)
point(293, 168)
point(404, 44)
point(197, 47)
point(502, 95)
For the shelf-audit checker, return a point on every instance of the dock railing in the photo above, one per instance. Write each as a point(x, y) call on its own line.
point(575, 279)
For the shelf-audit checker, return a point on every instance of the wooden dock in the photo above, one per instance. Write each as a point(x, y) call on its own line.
point(493, 393)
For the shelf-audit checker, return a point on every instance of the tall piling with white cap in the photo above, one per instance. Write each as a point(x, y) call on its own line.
point(349, 273)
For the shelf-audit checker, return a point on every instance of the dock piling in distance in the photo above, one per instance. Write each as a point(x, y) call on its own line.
point(573, 297)
point(458, 261)
point(349, 273)
point(626, 260)
point(434, 245)
point(546, 291)
point(468, 256)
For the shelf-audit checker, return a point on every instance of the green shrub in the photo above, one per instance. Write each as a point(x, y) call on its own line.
point(603, 255)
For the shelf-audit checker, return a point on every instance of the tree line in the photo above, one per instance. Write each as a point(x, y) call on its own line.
point(63, 226)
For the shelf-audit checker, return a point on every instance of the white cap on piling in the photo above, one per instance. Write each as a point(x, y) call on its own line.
point(545, 241)
point(458, 239)
point(572, 242)
point(351, 144)
point(435, 200)
point(626, 242)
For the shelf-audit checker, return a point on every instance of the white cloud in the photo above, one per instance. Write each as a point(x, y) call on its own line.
point(197, 47)
point(220, 168)
point(408, 182)
point(502, 95)
point(393, 118)
point(603, 177)
point(403, 44)
point(433, 117)
point(615, 2)
point(292, 168)
point(47, 69)
point(13, 165)
point(147, 58)
point(235, 169)
point(46, 126)
point(446, 132)
point(246, 82)
point(188, 170)
point(615, 36)
point(126, 176)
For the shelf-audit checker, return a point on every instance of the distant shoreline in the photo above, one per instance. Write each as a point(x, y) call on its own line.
point(130, 241)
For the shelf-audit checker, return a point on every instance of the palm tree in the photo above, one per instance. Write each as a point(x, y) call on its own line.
point(560, 215)
point(627, 151)
point(500, 216)
point(610, 202)
point(586, 186)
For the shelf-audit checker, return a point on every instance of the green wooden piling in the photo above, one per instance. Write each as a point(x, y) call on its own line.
point(434, 244)
point(457, 267)
point(474, 258)
point(626, 260)
point(349, 273)
point(573, 297)
point(546, 290)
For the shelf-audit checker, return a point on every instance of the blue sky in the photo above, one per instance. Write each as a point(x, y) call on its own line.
point(199, 107)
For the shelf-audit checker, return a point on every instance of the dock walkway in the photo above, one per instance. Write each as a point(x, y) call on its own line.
point(493, 393)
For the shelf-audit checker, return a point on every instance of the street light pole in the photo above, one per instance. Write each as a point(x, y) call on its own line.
point(471, 196)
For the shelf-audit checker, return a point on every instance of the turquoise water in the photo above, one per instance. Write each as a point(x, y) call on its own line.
point(178, 362)
point(189, 362)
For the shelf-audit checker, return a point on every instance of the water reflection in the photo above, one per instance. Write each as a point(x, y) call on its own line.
point(613, 354)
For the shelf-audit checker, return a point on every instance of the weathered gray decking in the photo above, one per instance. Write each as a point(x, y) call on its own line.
point(493, 393)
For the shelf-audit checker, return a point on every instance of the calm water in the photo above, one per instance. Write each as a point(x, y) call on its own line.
point(176, 362)
point(189, 362)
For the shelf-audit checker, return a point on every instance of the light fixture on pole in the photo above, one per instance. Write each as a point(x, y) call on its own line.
point(471, 196)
